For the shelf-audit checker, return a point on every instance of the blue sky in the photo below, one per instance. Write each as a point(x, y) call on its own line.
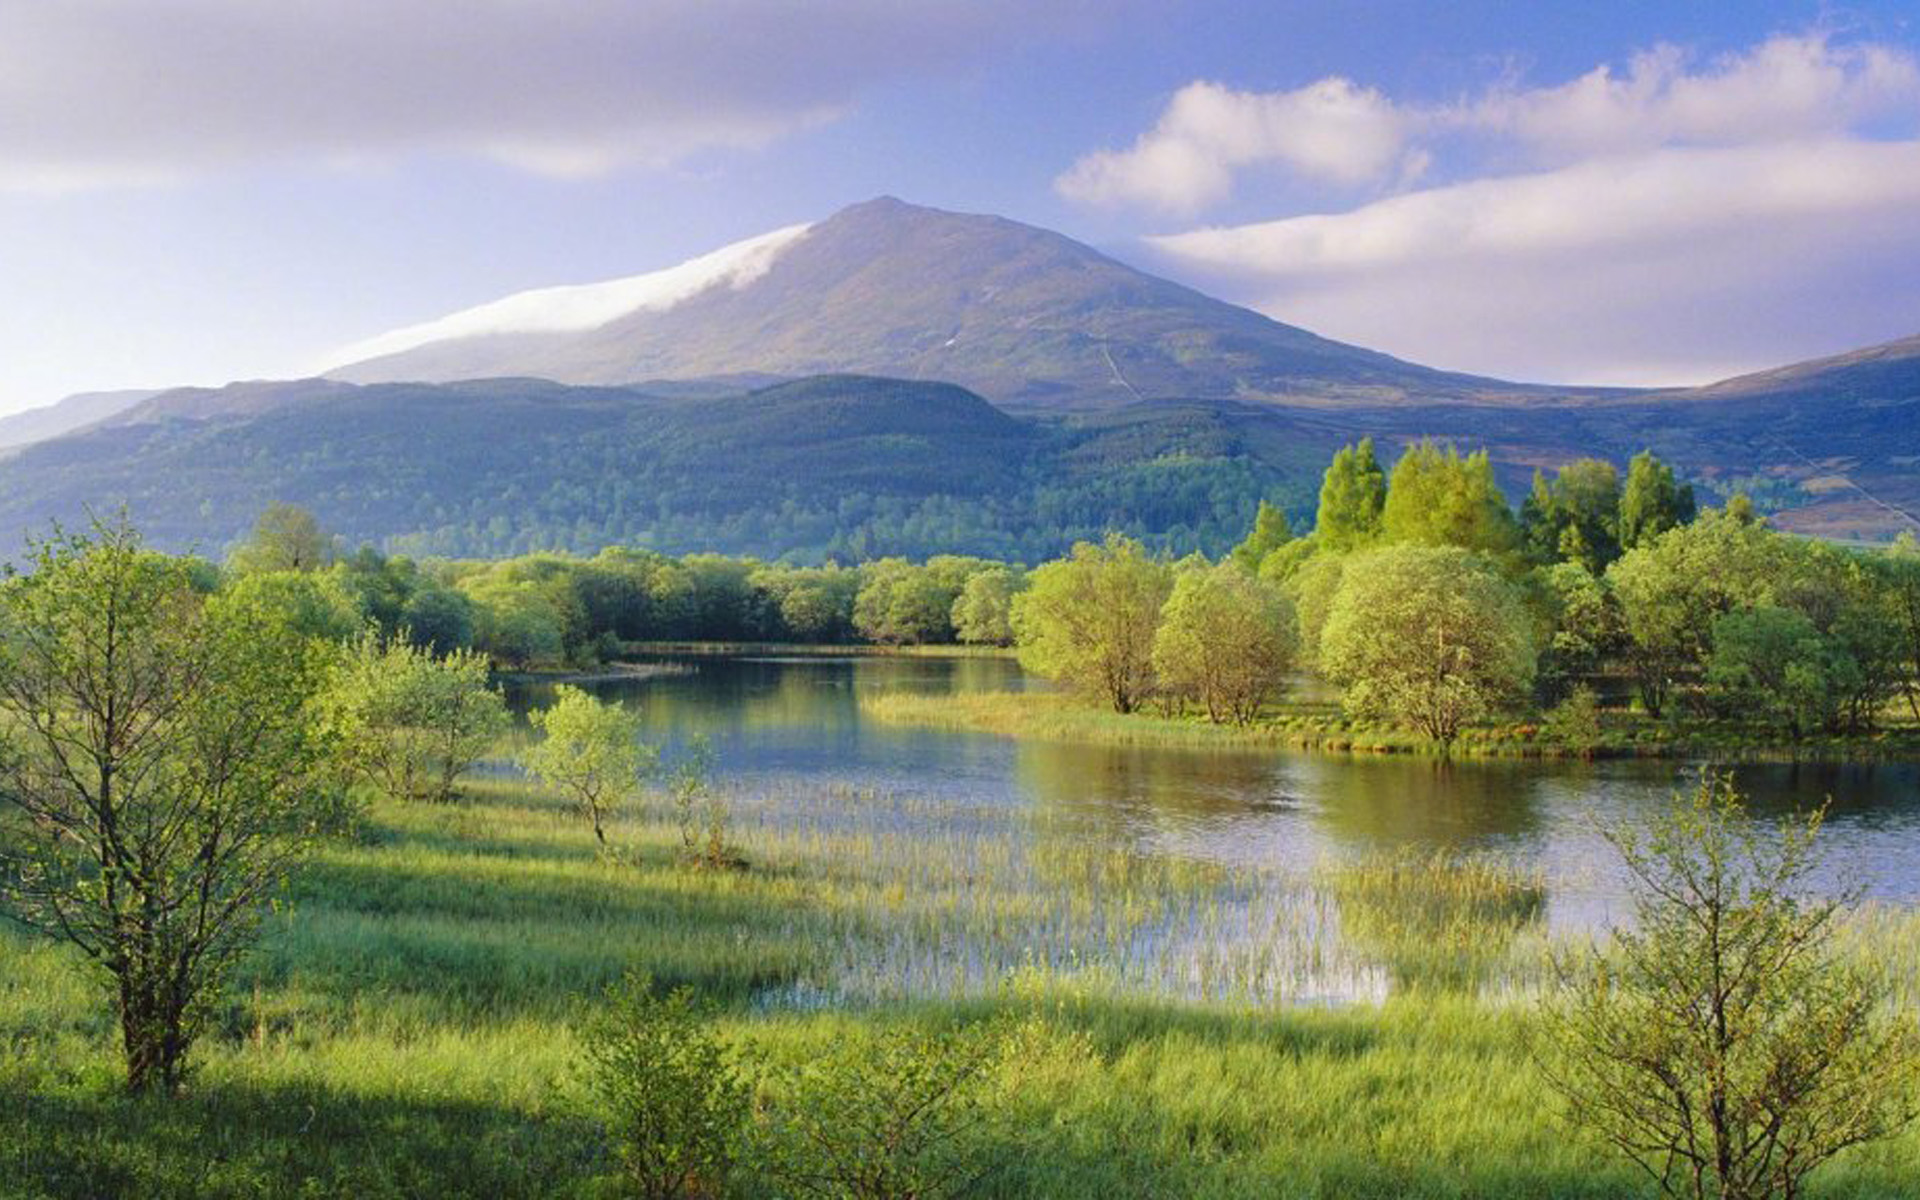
point(198, 190)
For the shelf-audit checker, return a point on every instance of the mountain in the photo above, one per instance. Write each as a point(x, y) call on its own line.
point(65, 416)
point(1022, 316)
point(842, 466)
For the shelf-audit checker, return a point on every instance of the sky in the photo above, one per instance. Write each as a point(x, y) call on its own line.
point(196, 191)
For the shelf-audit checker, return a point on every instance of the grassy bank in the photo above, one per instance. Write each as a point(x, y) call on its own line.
point(1322, 727)
point(806, 650)
point(407, 1028)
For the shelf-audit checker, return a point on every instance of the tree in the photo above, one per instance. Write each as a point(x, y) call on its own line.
point(437, 619)
point(157, 745)
point(592, 752)
point(285, 538)
point(1651, 502)
point(1352, 494)
point(1088, 620)
point(1576, 519)
point(1428, 635)
point(1226, 640)
point(311, 604)
point(1771, 666)
point(904, 604)
point(1585, 625)
point(1270, 532)
point(673, 1098)
point(1437, 498)
point(983, 615)
point(408, 722)
point(1903, 560)
point(1720, 1043)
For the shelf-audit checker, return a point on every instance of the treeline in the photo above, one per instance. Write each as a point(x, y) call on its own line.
point(549, 610)
point(1434, 605)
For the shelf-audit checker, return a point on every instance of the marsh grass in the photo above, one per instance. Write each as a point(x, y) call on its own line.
point(1321, 726)
point(407, 1027)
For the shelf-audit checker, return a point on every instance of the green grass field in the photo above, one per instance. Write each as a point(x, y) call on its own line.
point(408, 1026)
point(1305, 725)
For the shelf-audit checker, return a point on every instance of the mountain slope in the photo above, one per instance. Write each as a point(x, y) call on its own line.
point(1020, 315)
point(65, 416)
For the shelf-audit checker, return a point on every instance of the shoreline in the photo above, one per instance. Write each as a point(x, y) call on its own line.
point(1044, 716)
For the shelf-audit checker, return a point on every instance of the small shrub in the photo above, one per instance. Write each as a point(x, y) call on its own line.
point(908, 1117)
point(674, 1101)
point(1574, 723)
point(701, 811)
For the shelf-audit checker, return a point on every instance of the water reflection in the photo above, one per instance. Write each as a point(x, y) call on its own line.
point(776, 721)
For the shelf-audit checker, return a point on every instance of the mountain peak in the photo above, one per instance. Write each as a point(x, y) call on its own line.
point(1016, 313)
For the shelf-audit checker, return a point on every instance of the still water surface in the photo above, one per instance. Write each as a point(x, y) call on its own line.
point(782, 725)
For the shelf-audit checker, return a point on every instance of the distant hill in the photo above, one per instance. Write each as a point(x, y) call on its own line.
point(841, 466)
point(64, 416)
point(1020, 315)
point(854, 466)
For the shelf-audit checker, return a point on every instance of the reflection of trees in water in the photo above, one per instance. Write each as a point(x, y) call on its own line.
point(1131, 787)
point(1437, 921)
point(1395, 800)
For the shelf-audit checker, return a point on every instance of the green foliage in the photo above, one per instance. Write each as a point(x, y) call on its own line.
point(1719, 1043)
point(1652, 502)
point(1089, 620)
point(1771, 666)
point(158, 746)
point(700, 811)
point(1428, 635)
point(408, 722)
point(1437, 498)
point(983, 614)
point(312, 604)
point(1584, 623)
point(1352, 496)
point(1575, 722)
point(1226, 640)
point(906, 1117)
point(1439, 921)
point(904, 604)
point(285, 538)
point(675, 1103)
point(591, 750)
point(1270, 532)
point(1576, 519)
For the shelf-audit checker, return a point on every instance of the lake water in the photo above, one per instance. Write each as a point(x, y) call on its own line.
point(790, 728)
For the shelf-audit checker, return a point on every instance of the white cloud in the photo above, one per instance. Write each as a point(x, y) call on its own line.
point(1785, 89)
point(1331, 130)
point(97, 92)
point(1679, 265)
point(1669, 221)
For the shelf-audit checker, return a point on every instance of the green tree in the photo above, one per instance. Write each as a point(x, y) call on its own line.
point(983, 614)
point(437, 618)
point(410, 723)
point(901, 603)
point(1428, 635)
point(157, 745)
point(1438, 498)
point(1270, 532)
point(1088, 620)
point(1584, 626)
point(1575, 519)
point(1352, 494)
point(672, 1096)
point(1226, 640)
point(591, 750)
point(1651, 502)
point(1771, 666)
point(285, 538)
point(1720, 1042)
point(1903, 598)
point(309, 603)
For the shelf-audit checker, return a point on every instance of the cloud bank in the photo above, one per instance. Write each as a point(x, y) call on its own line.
point(117, 92)
point(1669, 221)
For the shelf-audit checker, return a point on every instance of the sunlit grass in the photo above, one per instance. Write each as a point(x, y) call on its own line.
point(408, 1025)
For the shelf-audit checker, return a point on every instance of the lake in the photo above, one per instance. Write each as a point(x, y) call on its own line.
point(792, 746)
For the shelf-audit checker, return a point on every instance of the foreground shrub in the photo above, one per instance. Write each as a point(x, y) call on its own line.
point(675, 1104)
point(1719, 1043)
point(907, 1117)
point(411, 723)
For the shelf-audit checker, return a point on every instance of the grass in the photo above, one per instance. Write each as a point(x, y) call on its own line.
point(407, 1027)
point(1303, 725)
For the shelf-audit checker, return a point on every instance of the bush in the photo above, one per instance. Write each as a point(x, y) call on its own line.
point(908, 1117)
point(674, 1101)
point(410, 723)
point(1574, 723)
